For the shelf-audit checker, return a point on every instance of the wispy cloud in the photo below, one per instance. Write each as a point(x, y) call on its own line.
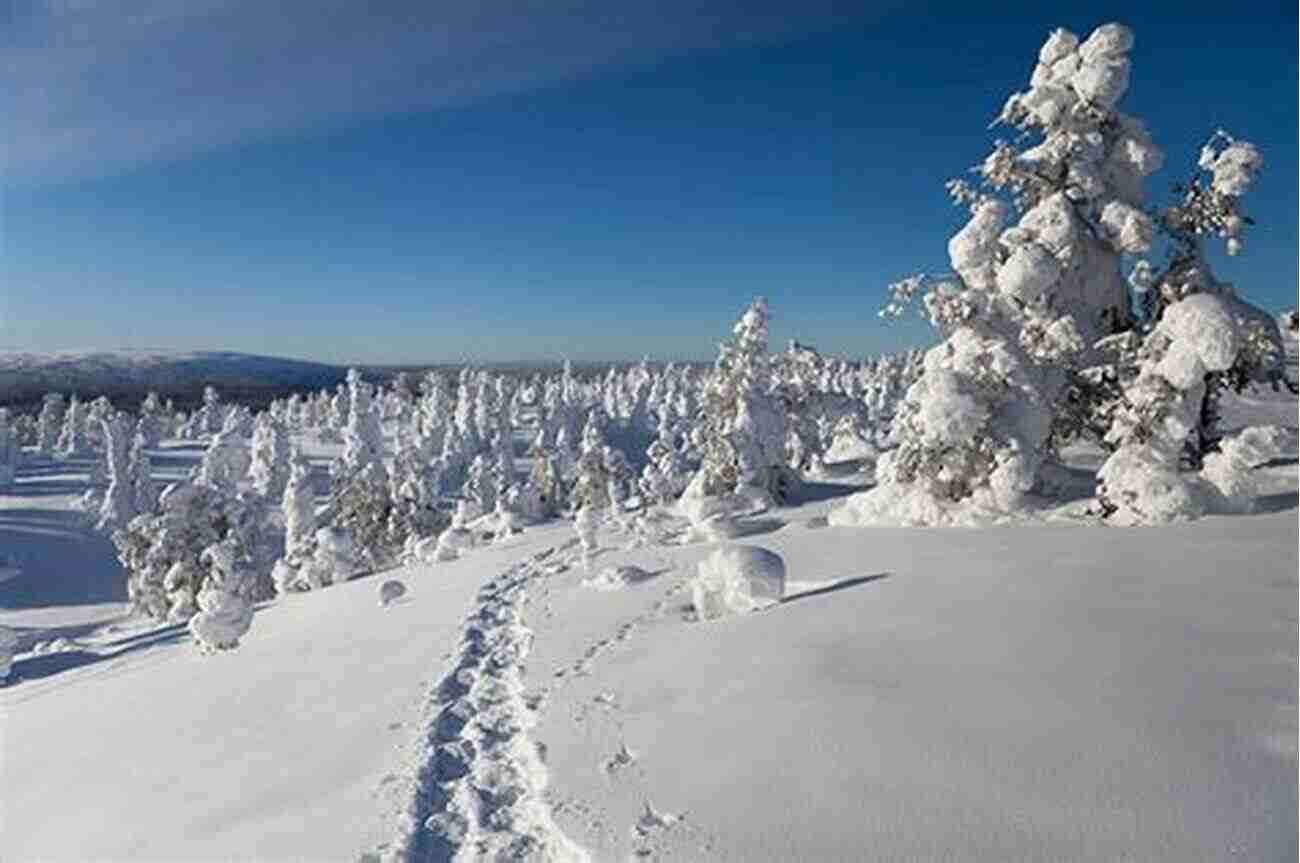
point(93, 86)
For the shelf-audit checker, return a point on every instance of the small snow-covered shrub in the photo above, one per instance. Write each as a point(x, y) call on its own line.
point(737, 579)
point(224, 614)
point(1230, 470)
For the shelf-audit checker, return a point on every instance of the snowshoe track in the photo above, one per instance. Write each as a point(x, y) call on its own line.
point(479, 780)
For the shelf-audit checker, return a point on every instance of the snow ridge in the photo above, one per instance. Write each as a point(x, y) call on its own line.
point(479, 784)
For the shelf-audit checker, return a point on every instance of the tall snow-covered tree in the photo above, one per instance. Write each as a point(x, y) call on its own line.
point(72, 439)
point(269, 470)
point(118, 506)
point(1029, 298)
point(144, 494)
point(10, 452)
point(153, 420)
point(298, 506)
point(363, 442)
point(225, 462)
point(742, 430)
point(49, 423)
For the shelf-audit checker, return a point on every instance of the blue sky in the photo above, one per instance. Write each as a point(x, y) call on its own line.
point(414, 182)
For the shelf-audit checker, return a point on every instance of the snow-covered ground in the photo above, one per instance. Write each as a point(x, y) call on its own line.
point(1053, 692)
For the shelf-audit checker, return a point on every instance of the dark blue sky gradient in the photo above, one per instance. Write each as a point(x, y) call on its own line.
point(629, 212)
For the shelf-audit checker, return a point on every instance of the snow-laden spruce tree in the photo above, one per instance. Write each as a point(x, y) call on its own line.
point(269, 470)
point(742, 429)
point(591, 488)
point(546, 492)
point(49, 423)
point(664, 477)
point(160, 552)
point(225, 462)
point(139, 470)
point(363, 442)
point(153, 420)
point(293, 572)
point(1036, 284)
point(72, 438)
point(118, 506)
point(224, 614)
point(414, 483)
point(211, 417)
point(1160, 397)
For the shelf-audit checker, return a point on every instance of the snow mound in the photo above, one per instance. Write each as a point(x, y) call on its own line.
point(737, 579)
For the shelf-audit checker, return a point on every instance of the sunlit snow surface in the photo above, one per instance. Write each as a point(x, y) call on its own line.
point(1052, 691)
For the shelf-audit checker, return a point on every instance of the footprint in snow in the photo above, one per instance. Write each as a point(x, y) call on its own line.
point(391, 591)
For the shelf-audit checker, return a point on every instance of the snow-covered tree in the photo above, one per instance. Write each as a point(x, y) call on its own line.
point(49, 423)
point(269, 470)
point(362, 507)
point(72, 439)
point(1029, 302)
point(224, 614)
point(144, 494)
point(664, 477)
point(481, 484)
point(545, 491)
point(298, 506)
point(160, 552)
point(742, 431)
point(118, 506)
point(211, 417)
point(153, 421)
point(225, 462)
point(10, 452)
point(363, 442)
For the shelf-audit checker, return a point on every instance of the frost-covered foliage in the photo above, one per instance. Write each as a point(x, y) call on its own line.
point(269, 470)
point(362, 507)
point(224, 613)
point(49, 423)
point(737, 579)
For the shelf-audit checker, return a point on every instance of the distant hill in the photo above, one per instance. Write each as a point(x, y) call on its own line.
point(125, 376)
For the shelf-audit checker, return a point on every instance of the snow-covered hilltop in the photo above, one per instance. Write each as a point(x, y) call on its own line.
point(129, 374)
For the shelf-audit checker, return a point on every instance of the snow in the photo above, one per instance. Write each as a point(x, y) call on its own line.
point(1055, 691)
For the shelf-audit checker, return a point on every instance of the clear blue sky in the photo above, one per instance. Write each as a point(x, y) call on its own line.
point(412, 182)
